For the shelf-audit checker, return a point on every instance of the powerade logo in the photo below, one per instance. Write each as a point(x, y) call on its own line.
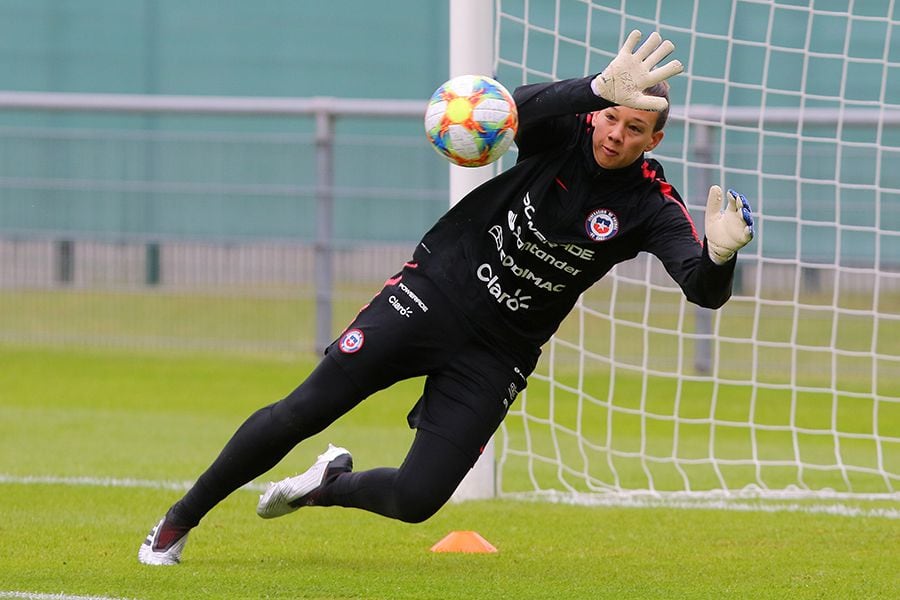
point(601, 225)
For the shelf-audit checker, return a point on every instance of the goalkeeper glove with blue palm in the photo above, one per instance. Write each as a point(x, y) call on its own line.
point(626, 77)
point(728, 228)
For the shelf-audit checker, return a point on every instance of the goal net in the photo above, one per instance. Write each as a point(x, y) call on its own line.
point(792, 389)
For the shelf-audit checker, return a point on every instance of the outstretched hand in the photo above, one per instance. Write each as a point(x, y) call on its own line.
point(728, 228)
point(626, 77)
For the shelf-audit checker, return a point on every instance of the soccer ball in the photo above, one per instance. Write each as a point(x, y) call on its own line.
point(471, 120)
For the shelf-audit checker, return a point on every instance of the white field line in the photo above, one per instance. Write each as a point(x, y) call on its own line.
point(60, 596)
point(740, 505)
point(743, 505)
point(108, 482)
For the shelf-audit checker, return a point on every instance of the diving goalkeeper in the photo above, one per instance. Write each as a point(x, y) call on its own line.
point(486, 287)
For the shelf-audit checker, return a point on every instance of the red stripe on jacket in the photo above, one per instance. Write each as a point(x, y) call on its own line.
point(666, 189)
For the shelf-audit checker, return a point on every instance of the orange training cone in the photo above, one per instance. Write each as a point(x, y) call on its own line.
point(463, 541)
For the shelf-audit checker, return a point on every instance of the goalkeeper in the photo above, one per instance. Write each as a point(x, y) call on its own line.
point(487, 286)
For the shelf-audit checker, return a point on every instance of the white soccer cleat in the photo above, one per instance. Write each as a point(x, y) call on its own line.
point(289, 494)
point(163, 546)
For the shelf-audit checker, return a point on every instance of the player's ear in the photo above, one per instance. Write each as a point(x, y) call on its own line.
point(655, 139)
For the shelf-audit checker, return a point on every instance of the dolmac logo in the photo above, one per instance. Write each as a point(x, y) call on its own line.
point(601, 225)
point(351, 341)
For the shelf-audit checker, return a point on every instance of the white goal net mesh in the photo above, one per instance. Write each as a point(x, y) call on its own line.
point(793, 387)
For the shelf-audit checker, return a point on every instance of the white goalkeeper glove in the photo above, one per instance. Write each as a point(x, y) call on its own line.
point(728, 228)
point(624, 80)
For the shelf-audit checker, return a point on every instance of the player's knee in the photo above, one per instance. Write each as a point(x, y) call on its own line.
point(416, 504)
point(317, 402)
point(416, 513)
point(275, 423)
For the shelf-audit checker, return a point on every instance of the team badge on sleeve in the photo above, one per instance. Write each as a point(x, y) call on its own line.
point(351, 341)
point(601, 225)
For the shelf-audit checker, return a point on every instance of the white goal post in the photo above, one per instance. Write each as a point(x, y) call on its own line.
point(472, 52)
point(792, 390)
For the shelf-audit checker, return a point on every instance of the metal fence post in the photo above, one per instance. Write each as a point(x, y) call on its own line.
point(324, 248)
point(65, 261)
point(152, 265)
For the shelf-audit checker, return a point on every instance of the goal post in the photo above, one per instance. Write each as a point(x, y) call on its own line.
point(792, 389)
point(472, 53)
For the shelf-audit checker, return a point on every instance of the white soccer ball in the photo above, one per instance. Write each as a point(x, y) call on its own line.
point(471, 120)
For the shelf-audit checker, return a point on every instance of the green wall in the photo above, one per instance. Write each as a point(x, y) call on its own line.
point(224, 47)
point(114, 175)
point(161, 177)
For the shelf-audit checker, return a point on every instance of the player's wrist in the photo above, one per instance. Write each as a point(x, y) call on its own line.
point(718, 254)
point(595, 86)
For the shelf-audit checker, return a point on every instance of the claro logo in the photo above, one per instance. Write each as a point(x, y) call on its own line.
point(513, 301)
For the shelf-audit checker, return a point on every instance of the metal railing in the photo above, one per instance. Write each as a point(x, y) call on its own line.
point(706, 122)
point(324, 110)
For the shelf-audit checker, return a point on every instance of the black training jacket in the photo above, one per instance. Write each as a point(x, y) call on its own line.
point(515, 254)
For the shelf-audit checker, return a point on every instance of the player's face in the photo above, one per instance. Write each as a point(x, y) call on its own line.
point(621, 134)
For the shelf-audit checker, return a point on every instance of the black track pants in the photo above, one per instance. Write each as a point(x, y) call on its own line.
point(408, 330)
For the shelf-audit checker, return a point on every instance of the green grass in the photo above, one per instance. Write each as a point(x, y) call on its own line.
point(268, 318)
point(99, 414)
point(263, 320)
point(663, 433)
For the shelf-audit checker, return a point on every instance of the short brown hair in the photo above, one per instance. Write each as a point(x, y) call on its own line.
point(661, 90)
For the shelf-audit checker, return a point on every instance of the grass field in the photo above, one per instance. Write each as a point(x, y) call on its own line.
point(91, 440)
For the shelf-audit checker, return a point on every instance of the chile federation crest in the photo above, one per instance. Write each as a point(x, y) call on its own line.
point(351, 341)
point(601, 225)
